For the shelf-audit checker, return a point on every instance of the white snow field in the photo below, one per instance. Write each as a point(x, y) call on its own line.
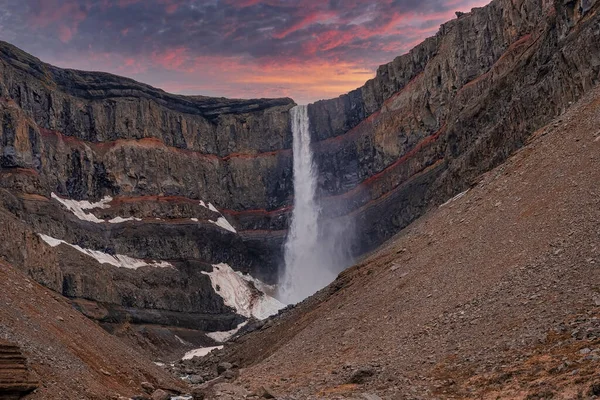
point(117, 260)
point(240, 293)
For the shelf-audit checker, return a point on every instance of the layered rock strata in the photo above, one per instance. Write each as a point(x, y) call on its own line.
point(455, 106)
point(15, 381)
point(168, 176)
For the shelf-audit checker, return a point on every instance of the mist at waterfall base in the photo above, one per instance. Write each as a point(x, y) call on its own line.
point(317, 248)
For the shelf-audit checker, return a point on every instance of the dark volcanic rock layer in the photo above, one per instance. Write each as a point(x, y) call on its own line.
point(455, 106)
point(92, 134)
point(421, 131)
point(85, 135)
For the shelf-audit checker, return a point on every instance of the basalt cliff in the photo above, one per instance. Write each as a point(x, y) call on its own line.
point(175, 184)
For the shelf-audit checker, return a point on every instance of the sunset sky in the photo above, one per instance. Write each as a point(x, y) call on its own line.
point(305, 49)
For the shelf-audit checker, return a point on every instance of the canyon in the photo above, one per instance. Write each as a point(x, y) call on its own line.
point(129, 201)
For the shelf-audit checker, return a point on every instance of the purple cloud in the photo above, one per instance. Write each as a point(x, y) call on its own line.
point(305, 49)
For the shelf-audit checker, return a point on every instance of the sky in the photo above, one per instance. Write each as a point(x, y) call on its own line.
point(303, 49)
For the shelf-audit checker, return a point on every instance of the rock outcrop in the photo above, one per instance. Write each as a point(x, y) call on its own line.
point(68, 355)
point(92, 134)
point(15, 381)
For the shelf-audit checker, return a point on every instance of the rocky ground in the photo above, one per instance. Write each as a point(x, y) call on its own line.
point(495, 294)
point(68, 355)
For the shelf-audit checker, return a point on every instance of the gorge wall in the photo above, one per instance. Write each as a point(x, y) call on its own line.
point(422, 130)
point(175, 170)
point(455, 106)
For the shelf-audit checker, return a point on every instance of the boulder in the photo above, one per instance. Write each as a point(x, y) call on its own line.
point(361, 375)
point(160, 394)
point(15, 380)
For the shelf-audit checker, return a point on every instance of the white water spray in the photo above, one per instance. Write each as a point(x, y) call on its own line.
point(307, 262)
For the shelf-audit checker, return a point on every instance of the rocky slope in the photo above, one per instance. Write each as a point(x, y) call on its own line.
point(495, 294)
point(68, 356)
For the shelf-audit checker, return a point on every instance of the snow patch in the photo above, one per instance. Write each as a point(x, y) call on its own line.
point(223, 223)
point(180, 340)
point(458, 196)
point(201, 352)
point(118, 220)
point(50, 240)
point(241, 293)
point(225, 336)
point(78, 207)
point(117, 260)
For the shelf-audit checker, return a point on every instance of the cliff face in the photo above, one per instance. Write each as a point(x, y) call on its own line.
point(172, 169)
point(119, 137)
point(421, 131)
point(455, 106)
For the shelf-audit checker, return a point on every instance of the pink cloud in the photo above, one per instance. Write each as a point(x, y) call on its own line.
point(65, 33)
point(170, 5)
point(172, 59)
point(329, 53)
point(65, 17)
point(304, 22)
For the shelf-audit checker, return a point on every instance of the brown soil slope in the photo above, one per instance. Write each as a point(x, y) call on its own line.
point(495, 294)
point(71, 356)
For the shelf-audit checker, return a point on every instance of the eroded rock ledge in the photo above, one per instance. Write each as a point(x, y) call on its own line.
point(15, 380)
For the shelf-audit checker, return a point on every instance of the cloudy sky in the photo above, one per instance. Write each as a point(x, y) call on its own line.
point(304, 49)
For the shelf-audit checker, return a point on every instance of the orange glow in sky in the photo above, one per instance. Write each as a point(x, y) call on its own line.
point(305, 49)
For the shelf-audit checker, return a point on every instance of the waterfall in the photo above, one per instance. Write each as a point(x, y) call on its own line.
point(307, 258)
